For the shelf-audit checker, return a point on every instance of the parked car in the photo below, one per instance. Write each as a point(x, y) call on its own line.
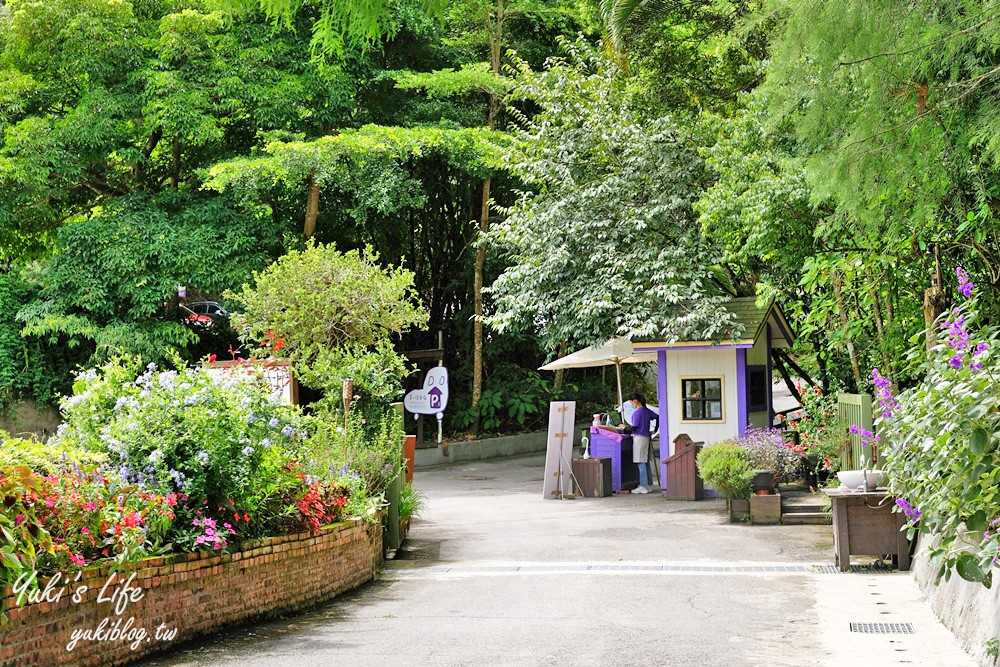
point(211, 308)
point(195, 319)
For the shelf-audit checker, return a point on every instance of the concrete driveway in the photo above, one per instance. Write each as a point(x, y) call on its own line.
point(493, 574)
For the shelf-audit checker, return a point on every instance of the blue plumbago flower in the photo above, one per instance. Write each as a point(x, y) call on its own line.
point(177, 476)
point(288, 430)
point(265, 443)
point(245, 401)
point(248, 450)
point(311, 479)
point(61, 430)
point(190, 400)
point(965, 286)
point(155, 456)
point(251, 417)
point(202, 458)
point(344, 469)
point(121, 402)
point(151, 366)
point(273, 423)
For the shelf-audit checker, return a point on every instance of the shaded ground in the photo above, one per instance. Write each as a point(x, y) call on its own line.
point(494, 574)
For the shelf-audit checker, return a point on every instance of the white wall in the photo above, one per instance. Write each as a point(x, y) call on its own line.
point(693, 363)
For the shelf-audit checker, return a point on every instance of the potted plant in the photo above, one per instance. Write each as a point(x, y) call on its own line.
point(724, 467)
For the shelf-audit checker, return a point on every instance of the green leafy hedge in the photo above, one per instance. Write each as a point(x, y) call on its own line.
point(942, 446)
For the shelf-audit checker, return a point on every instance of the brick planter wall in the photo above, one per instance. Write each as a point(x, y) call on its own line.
point(192, 593)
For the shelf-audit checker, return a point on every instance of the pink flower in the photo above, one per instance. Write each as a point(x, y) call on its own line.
point(18, 520)
point(85, 530)
point(90, 507)
point(78, 560)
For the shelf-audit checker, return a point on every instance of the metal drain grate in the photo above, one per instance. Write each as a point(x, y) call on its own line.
point(883, 628)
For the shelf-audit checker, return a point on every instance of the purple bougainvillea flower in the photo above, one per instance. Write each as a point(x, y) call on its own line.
point(965, 286)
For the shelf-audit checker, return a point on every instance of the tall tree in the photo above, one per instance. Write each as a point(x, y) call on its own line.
point(606, 242)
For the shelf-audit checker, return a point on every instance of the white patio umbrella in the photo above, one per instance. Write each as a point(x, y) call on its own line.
point(615, 352)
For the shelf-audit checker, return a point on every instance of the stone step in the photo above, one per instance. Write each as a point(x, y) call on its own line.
point(793, 509)
point(801, 518)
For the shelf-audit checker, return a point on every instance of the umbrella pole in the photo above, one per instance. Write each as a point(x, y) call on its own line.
point(618, 373)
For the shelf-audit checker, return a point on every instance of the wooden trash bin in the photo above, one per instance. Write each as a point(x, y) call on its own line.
point(683, 480)
point(593, 476)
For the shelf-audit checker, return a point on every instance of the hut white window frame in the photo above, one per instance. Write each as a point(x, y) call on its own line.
point(722, 399)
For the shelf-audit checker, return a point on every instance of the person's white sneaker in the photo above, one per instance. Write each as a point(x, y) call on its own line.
point(640, 489)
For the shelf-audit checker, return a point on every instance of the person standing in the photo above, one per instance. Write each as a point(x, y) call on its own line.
point(640, 430)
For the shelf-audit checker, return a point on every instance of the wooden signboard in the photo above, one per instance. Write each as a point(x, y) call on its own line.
point(559, 453)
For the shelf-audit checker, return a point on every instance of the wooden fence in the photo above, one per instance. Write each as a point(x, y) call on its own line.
point(856, 409)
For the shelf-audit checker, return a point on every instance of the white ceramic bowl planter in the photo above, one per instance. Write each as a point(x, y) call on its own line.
point(855, 479)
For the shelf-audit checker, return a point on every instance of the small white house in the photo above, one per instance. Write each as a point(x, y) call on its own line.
point(713, 391)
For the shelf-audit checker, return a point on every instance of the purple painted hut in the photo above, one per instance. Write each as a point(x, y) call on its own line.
point(713, 391)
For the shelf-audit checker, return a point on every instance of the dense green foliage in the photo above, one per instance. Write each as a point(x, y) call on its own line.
point(726, 467)
point(332, 315)
point(606, 242)
point(940, 447)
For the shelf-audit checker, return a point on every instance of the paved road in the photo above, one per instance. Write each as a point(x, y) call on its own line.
point(493, 574)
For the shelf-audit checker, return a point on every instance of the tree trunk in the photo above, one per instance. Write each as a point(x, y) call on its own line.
point(838, 296)
point(312, 207)
point(477, 325)
point(783, 372)
point(495, 28)
point(557, 387)
point(794, 366)
point(879, 326)
point(933, 304)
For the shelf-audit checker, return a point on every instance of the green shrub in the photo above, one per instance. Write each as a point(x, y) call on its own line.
point(940, 446)
point(46, 458)
point(225, 444)
point(724, 467)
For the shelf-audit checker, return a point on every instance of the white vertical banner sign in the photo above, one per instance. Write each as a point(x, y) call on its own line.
point(559, 453)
